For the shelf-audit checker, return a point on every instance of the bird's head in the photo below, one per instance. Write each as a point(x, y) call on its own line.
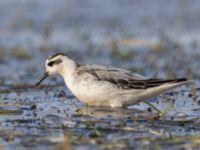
point(55, 65)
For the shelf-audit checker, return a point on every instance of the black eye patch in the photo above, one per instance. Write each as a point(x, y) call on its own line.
point(55, 62)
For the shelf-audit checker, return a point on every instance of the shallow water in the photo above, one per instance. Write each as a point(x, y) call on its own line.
point(163, 45)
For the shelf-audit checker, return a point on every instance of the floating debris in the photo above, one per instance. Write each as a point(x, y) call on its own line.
point(11, 112)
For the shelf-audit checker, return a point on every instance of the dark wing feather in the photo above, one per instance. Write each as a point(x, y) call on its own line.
point(145, 84)
point(124, 79)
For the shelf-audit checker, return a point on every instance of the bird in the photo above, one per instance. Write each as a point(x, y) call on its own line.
point(98, 85)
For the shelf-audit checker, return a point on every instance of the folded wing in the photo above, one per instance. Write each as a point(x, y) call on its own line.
point(124, 79)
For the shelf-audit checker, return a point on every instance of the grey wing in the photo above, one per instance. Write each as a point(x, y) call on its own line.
point(124, 79)
point(111, 72)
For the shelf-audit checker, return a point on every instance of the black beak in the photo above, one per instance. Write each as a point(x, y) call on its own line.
point(44, 77)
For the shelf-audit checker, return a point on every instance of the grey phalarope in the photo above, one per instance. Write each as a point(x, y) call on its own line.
point(106, 86)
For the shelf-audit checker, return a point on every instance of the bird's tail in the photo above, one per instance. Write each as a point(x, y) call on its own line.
point(148, 93)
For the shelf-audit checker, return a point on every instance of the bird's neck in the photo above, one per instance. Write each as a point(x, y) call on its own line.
point(67, 72)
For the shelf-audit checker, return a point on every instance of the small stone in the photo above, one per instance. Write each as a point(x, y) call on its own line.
point(198, 102)
point(33, 107)
point(190, 95)
point(149, 109)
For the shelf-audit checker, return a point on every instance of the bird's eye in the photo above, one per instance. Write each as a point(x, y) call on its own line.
point(51, 63)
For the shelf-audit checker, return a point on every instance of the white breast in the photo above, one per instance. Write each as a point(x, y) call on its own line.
point(90, 91)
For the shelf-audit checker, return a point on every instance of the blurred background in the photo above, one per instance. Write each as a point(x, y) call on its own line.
point(155, 38)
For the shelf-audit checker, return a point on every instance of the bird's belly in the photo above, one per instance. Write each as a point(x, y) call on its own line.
point(92, 99)
point(95, 95)
point(100, 101)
